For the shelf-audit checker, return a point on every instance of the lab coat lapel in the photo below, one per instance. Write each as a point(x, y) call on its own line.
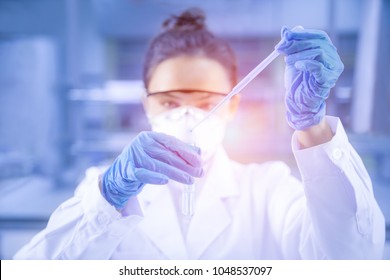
point(164, 230)
point(212, 216)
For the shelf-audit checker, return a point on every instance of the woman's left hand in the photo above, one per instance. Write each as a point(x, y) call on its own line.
point(312, 69)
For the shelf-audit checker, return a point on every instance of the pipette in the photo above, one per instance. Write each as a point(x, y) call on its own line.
point(188, 195)
point(245, 81)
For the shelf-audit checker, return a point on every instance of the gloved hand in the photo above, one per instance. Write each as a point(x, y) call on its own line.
point(312, 69)
point(151, 158)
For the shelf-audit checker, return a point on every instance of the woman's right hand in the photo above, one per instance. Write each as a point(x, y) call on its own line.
point(151, 158)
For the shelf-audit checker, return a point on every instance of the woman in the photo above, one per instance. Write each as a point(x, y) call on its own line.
point(132, 209)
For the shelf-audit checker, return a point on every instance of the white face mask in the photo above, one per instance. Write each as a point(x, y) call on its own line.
point(178, 122)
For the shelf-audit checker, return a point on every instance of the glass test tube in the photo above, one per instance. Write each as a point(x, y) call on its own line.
point(188, 200)
point(188, 194)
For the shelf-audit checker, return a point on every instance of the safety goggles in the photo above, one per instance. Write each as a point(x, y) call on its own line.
point(162, 101)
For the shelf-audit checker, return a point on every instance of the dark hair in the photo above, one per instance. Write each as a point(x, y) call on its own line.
point(187, 34)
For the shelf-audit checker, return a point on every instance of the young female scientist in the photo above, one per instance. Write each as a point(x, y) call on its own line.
point(132, 209)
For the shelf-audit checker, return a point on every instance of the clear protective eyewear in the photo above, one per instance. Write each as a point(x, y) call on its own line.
point(163, 101)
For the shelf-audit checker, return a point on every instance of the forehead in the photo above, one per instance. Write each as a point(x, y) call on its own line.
point(189, 72)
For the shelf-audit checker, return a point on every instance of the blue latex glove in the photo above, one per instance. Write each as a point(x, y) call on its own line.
point(151, 158)
point(312, 69)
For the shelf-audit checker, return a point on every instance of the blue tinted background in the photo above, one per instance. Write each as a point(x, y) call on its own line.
point(70, 90)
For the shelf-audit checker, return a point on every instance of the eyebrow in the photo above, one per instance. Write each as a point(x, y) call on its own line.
point(185, 91)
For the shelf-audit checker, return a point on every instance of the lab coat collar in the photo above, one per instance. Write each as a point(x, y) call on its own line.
point(210, 219)
point(211, 216)
point(160, 221)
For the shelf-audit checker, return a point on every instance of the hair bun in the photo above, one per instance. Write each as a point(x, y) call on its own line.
point(191, 19)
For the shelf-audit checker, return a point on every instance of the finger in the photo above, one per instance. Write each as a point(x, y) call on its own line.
point(320, 55)
point(297, 98)
point(314, 67)
point(161, 153)
point(185, 151)
point(303, 34)
point(149, 177)
point(169, 171)
point(288, 36)
point(324, 77)
point(299, 46)
point(285, 29)
point(174, 172)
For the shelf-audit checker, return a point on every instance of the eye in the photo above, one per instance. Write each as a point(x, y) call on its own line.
point(170, 104)
point(207, 105)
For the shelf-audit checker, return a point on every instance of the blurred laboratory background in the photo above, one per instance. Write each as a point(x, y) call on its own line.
point(70, 90)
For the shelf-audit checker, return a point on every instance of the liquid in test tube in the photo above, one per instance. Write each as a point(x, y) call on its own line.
point(188, 200)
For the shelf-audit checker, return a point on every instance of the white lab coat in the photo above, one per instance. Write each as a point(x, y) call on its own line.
point(256, 211)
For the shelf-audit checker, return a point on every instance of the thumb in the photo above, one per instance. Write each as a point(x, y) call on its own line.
point(283, 40)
